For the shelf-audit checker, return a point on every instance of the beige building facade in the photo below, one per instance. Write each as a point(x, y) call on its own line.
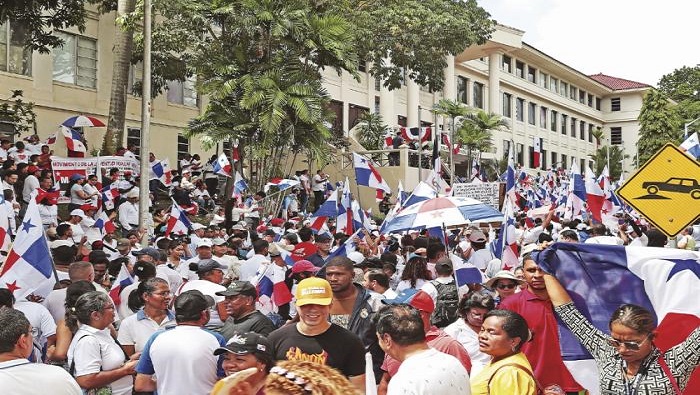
point(540, 96)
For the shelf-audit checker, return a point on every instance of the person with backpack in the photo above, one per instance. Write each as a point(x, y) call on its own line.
point(443, 290)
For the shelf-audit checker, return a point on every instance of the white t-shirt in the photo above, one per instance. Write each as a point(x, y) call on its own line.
point(172, 276)
point(39, 317)
point(608, 240)
point(250, 267)
point(208, 288)
point(182, 360)
point(406, 284)
point(21, 377)
point(136, 329)
point(319, 184)
point(446, 375)
point(481, 258)
point(463, 333)
point(31, 184)
point(55, 303)
point(98, 351)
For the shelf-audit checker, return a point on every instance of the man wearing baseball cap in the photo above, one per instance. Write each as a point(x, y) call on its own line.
point(242, 314)
point(315, 339)
point(181, 359)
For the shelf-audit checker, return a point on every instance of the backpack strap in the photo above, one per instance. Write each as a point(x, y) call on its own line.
point(71, 370)
point(517, 366)
point(667, 371)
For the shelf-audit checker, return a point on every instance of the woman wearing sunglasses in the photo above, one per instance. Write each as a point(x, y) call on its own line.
point(628, 361)
point(505, 284)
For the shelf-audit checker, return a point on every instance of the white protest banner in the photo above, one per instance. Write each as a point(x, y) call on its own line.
point(63, 168)
point(486, 192)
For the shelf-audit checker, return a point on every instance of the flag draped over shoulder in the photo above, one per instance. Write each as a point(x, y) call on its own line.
point(600, 278)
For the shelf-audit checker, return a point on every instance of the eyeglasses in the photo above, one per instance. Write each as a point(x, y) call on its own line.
point(632, 346)
point(505, 286)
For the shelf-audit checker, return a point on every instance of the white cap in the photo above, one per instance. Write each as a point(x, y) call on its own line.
point(356, 257)
point(80, 213)
point(204, 243)
point(198, 226)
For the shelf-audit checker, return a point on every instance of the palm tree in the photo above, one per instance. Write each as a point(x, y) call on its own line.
point(598, 135)
point(475, 132)
point(451, 109)
point(617, 156)
point(371, 131)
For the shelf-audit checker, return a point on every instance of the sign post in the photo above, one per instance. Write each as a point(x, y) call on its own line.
point(666, 190)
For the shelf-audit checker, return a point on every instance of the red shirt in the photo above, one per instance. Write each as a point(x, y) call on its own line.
point(439, 340)
point(303, 250)
point(543, 351)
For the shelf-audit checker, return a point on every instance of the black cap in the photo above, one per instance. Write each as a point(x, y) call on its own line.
point(206, 265)
point(150, 251)
point(247, 343)
point(322, 237)
point(239, 288)
point(192, 302)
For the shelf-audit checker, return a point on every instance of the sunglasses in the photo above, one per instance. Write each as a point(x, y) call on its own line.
point(632, 346)
point(505, 286)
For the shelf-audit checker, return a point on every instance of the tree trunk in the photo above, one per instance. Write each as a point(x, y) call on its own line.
point(123, 43)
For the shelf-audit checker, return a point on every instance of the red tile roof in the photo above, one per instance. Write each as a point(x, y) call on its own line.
point(618, 83)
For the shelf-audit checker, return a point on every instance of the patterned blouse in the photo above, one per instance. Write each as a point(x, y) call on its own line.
point(651, 379)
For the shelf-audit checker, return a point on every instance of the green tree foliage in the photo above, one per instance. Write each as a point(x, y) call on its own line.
point(19, 113)
point(659, 124)
point(683, 87)
point(371, 130)
point(412, 36)
point(475, 132)
point(617, 156)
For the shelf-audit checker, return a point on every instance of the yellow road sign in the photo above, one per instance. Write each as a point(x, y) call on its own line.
point(666, 190)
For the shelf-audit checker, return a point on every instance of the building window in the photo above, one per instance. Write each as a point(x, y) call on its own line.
point(135, 76)
point(519, 109)
point(590, 100)
point(462, 83)
point(544, 80)
point(354, 114)
point(563, 162)
point(532, 74)
point(376, 104)
point(506, 148)
point(401, 120)
point(590, 132)
point(573, 93)
point(133, 137)
point(14, 56)
point(543, 117)
point(597, 103)
point(377, 84)
point(615, 104)
point(183, 92)
point(564, 90)
point(583, 166)
point(362, 66)
point(564, 119)
point(183, 146)
point(553, 121)
point(573, 127)
point(506, 105)
point(616, 136)
point(553, 155)
point(336, 107)
point(506, 64)
point(554, 84)
point(519, 148)
point(582, 130)
point(520, 69)
point(478, 95)
point(543, 159)
point(75, 62)
point(531, 110)
point(582, 96)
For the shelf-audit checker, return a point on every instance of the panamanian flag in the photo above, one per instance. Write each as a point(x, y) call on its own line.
point(222, 166)
point(28, 268)
point(281, 184)
point(160, 170)
point(73, 139)
point(178, 222)
point(366, 174)
point(600, 278)
point(272, 291)
point(104, 223)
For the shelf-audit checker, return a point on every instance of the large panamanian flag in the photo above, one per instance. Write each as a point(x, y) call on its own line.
point(600, 278)
point(366, 174)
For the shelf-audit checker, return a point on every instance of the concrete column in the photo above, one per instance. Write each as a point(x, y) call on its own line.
point(346, 117)
point(386, 107)
point(450, 89)
point(494, 83)
point(412, 102)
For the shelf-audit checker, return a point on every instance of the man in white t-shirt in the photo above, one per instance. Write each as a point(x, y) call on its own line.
point(318, 186)
point(181, 360)
point(401, 335)
point(598, 235)
point(19, 376)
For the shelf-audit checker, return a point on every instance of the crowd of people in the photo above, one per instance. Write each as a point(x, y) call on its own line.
point(253, 303)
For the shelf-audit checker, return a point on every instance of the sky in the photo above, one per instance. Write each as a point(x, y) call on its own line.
point(633, 39)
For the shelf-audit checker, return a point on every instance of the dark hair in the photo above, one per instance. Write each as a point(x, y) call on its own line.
point(598, 230)
point(13, 324)
point(115, 265)
point(342, 261)
point(7, 299)
point(656, 238)
point(136, 300)
point(144, 270)
point(63, 255)
point(544, 237)
point(61, 229)
point(443, 267)
point(73, 292)
point(513, 324)
point(420, 242)
point(305, 234)
point(379, 276)
point(569, 234)
point(475, 299)
point(416, 268)
point(434, 249)
point(98, 256)
point(402, 322)
point(260, 245)
point(634, 317)
point(388, 257)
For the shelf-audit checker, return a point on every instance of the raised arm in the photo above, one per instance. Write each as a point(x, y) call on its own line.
point(557, 293)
